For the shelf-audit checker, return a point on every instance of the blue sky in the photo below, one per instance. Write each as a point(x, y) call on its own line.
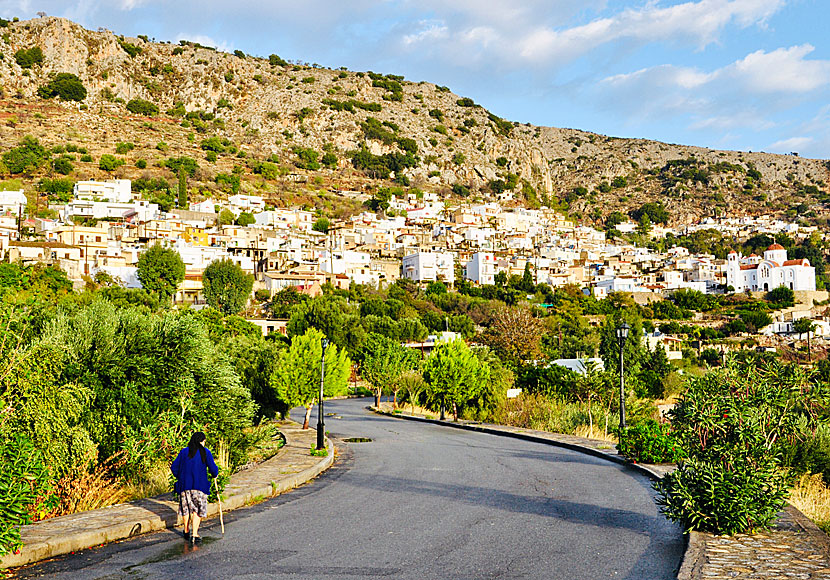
point(728, 74)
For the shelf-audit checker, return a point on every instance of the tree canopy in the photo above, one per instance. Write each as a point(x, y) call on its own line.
point(226, 286)
point(160, 271)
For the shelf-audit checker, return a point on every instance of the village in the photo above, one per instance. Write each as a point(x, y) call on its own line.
point(104, 229)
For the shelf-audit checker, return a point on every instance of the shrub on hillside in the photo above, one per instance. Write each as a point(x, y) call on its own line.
point(27, 156)
point(109, 162)
point(64, 85)
point(142, 107)
point(26, 58)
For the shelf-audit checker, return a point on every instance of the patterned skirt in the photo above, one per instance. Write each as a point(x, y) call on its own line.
point(193, 501)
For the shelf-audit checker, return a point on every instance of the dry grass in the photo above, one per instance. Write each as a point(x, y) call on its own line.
point(157, 482)
point(90, 488)
point(812, 497)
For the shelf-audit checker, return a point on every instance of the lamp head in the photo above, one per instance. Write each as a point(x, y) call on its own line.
point(622, 331)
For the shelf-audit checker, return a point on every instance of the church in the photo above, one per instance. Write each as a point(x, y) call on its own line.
point(767, 273)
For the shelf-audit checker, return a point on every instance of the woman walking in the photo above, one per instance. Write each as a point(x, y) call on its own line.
point(190, 468)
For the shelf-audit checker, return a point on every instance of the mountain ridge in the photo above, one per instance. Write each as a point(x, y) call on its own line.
point(271, 109)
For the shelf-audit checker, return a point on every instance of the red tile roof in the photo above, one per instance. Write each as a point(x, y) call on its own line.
point(750, 267)
point(799, 262)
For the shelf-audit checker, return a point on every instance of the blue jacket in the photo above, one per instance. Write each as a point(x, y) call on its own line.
point(190, 472)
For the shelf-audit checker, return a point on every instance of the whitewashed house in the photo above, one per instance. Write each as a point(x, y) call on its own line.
point(429, 267)
point(114, 190)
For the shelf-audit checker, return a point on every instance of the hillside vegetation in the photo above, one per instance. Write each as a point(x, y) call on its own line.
point(104, 105)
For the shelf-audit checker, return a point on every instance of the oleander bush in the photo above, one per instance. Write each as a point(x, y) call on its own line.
point(24, 488)
point(650, 442)
point(734, 424)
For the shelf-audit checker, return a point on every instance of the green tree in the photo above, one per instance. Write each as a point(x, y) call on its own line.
point(333, 316)
point(67, 86)
point(28, 156)
point(182, 187)
point(322, 225)
point(245, 219)
point(644, 225)
point(160, 271)
point(109, 162)
point(142, 107)
point(454, 374)
point(226, 286)
point(781, 297)
point(226, 217)
point(383, 361)
point(296, 378)
point(26, 58)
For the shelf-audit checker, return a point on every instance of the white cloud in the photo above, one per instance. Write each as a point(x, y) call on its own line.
point(791, 144)
point(784, 70)
point(699, 22)
point(431, 31)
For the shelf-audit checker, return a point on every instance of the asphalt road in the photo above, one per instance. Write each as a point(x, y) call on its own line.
point(421, 501)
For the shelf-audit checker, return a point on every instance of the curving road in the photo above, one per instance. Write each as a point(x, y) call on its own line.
point(421, 501)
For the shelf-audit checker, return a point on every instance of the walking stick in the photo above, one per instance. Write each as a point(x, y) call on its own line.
point(219, 499)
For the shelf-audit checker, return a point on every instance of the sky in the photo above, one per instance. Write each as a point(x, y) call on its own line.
point(751, 75)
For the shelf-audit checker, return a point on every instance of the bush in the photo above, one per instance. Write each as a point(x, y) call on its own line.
point(142, 107)
point(62, 165)
point(24, 487)
point(64, 85)
point(27, 156)
point(109, 162)
point(130, 49)
point(781, 297)
point(26, 58)
point(732, 423)
point(124, 148)
point(187, 163)
point(61, 189)
point(649, 442)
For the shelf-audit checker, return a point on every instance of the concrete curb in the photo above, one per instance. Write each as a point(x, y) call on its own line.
point(694, 555)
point(75, 532)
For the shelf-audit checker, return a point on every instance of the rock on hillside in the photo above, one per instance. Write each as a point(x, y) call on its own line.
point(272, 109)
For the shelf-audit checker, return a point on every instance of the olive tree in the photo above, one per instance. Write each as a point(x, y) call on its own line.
point(160, 271)
point(226, 286)
point(383, 362)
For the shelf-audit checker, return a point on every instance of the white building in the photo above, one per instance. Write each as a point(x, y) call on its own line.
point(114, 190)
point(286, 219)
point(207, 206)
point(429, 267)
point(774, 270)
point(481, 268)
point(12, 202)
point(249, 203)
point(137, 211)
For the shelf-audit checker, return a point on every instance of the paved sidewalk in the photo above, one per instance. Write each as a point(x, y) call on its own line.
point(291, 467)
point(795, 548)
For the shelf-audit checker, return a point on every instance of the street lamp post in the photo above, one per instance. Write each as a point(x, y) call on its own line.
point(321, 426)
point(622, 336)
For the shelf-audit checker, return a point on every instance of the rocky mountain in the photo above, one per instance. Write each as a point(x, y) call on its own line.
point(299, 133)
